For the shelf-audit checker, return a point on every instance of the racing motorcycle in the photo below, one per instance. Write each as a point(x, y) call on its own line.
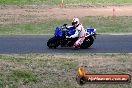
point(59, 38)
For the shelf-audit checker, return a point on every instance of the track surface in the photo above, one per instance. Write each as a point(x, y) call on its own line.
point(38, 44)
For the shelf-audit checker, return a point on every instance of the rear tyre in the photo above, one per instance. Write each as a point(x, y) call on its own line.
point(52, 43)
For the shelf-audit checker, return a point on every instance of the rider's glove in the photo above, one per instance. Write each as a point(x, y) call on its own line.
point(65, 26)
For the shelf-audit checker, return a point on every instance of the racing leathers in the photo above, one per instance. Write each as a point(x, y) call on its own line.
point(80, 33)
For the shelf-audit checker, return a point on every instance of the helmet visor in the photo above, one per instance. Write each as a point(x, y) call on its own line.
point(74, 23)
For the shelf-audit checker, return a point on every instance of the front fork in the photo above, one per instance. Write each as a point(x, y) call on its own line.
point(94, 35)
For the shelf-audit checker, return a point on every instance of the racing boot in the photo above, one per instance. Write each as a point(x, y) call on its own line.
point(76, 47)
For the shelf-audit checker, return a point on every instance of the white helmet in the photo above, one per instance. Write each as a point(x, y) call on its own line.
point(75, 22)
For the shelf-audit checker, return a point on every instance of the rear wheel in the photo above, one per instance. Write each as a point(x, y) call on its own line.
point(52, 43)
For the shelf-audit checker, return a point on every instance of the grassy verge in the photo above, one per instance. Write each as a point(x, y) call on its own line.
point(59, 71)
point(65, 1)
point(102, 24)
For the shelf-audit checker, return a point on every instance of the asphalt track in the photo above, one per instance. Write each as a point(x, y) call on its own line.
point(23, 44)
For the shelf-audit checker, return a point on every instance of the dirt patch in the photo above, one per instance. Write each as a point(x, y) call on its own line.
point(26, 14)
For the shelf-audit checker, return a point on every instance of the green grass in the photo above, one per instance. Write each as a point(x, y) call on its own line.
point(102, 24)
point(110, 24)
point(59, 71)
point(53, 2)
point(25, 75)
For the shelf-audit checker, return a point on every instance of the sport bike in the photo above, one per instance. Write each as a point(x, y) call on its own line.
point(59, 38)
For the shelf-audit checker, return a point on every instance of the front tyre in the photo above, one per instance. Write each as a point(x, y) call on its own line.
point(91, 41)
point(87, 42)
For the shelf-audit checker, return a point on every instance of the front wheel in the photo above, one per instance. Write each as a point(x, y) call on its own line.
point(52, 43)
point(87, 42)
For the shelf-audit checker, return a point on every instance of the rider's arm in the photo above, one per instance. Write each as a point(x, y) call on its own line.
point(69, 26)
point(75, 35)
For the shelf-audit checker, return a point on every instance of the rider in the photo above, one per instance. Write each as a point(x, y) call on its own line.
point(80, 32)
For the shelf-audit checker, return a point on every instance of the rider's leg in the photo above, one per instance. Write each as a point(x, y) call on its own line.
point(78, 42)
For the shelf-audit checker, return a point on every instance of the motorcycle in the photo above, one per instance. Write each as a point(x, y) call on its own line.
point(59, 38)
